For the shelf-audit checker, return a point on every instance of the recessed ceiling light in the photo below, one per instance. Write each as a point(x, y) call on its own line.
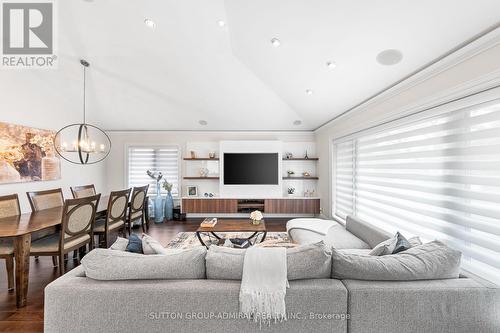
point(276, 42)
point(389, 57)
point(203, 122)
point(150, 23)
point(221, 23)
point(331, 64)
point(297, 122)
point(309, 92)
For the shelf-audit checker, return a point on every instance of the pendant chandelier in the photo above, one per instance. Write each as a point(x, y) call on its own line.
point(82, 143)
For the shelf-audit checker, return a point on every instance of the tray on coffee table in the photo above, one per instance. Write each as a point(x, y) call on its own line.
point(233, 225)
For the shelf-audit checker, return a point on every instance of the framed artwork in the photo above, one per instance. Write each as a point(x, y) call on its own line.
point(192, 191)
point(27, 154)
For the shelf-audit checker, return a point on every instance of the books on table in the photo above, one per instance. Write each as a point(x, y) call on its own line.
point(208, 223)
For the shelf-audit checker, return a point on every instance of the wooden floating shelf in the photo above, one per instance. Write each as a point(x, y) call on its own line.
point(301, 178)
point(202, 178)
point(201, 159)
point(301, 159)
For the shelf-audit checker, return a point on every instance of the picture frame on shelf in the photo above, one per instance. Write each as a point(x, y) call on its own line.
point(192, 191)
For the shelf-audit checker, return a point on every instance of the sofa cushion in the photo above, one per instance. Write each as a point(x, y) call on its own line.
point(339, 238)
point(433, 260)
point(366, 231)
point(106, 264)
point(318, 226)
point(312, 261)
point(450, 305)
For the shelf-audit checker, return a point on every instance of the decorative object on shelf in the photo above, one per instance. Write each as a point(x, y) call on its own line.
point(89, 143)
point(306, 156)
point(192, 191)
point(306, 174)
point(291, 191)
point(204, 172)
point(209, 195)
point(290, 173)
point(211, 155)
point(178, 215)
point(193, 154)
point(288, 155)
point(158, 202)
point(27, 154)
point(256, 217)
point(169, 202)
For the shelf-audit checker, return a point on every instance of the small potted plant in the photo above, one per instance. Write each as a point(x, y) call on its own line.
point(256, 217)
point(291, 191)
point(290, 173)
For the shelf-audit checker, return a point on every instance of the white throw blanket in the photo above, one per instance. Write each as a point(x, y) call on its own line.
point(264, 283)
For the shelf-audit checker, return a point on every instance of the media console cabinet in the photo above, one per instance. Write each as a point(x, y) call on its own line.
point(309, 206)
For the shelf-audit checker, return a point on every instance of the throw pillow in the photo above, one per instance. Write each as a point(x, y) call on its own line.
point(151, 245)
point(134, 244)
point(428, 261)
point(385, 247)
point(402, 244)
point(414, 241)
point(120, 244)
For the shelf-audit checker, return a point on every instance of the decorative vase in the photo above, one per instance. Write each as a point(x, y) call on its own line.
point(51, 167)
point(169, 207)
point(158, 204)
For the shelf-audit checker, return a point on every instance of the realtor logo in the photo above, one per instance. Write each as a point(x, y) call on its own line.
point(28, 34)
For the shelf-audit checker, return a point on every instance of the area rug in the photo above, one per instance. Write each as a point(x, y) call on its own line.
point(186, 240)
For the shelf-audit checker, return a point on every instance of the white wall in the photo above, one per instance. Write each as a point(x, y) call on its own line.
point(201, 142)
point(472, 69)
point(27, 98)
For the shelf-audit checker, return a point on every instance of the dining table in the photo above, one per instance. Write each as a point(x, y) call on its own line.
point(20, 227)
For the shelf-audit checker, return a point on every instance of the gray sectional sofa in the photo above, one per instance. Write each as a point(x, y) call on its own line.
point(76, 303)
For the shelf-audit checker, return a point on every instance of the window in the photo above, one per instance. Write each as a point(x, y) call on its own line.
point(437, 177)
point(164, 159)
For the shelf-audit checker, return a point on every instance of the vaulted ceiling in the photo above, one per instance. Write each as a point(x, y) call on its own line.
point(191, 67)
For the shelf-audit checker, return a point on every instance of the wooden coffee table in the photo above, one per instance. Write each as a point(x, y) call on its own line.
point(233, 225)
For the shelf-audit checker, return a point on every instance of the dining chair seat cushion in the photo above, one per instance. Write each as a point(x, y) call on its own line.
point(6, 247)
point(51, 243)
point(99, 225)
point(136, 215)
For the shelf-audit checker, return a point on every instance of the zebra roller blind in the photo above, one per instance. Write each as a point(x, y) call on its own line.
point(437, 177)
point(164, 159)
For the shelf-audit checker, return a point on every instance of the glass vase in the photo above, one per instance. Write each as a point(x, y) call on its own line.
point(169, 207)
point(158, 205)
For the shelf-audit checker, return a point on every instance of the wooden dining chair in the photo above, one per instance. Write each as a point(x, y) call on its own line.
point(137, 204)
point(83, 191)
point(115, 219)
point(77, 230)
point(40, 200)
point(9, 206)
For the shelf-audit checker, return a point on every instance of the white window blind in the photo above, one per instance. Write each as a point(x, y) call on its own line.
point(156, 159)
point(438, 177)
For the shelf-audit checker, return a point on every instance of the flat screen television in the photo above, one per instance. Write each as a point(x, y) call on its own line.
point(251, 169)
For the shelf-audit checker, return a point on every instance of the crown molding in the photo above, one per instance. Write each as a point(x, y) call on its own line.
point(467, 50)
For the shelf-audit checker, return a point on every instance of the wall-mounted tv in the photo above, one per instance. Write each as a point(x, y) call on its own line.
point(251, 169)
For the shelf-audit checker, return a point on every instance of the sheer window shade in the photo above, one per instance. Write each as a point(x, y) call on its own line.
point(164, 159)
point(438, 177)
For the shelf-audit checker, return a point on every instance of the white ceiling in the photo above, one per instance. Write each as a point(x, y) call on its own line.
point(189, 68)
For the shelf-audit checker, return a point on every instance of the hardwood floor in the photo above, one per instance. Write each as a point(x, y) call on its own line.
point(30, 318)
